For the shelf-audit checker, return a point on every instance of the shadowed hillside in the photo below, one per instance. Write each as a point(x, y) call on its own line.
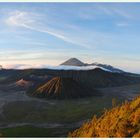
point(121, 121)
point(63, 88)
point(95, 78)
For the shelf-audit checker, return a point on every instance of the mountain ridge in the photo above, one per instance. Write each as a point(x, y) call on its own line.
point(77, 62)
point(63, 88)
point(120, 121)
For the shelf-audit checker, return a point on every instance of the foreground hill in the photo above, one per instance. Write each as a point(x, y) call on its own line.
point(121, 121)
point(62, 88)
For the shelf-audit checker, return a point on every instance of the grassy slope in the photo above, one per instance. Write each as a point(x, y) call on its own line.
point(121, 121)
point(68, 111)
point(65, 112)
point(30, 131)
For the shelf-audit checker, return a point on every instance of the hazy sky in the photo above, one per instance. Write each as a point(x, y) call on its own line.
point(50, 33)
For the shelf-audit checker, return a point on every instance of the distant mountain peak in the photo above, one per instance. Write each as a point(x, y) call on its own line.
point(73, 62)
point(77, 62)
point(74, 59)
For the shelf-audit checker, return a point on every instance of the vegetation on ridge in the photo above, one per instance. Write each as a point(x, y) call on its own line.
point(120, 121)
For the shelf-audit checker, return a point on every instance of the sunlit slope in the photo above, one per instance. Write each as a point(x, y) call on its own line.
point(121, 121)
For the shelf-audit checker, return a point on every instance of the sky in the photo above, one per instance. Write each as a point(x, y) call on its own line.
point(38, 34)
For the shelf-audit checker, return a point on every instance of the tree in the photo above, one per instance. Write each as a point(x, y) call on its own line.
point(114, 102)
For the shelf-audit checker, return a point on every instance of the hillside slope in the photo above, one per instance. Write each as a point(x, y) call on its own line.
point(63, 88)
point(121, 121)
point(96, 78)
point(23, 83)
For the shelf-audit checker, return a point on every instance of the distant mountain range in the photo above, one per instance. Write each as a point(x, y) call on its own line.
point(76, 62)
point(71, 79)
